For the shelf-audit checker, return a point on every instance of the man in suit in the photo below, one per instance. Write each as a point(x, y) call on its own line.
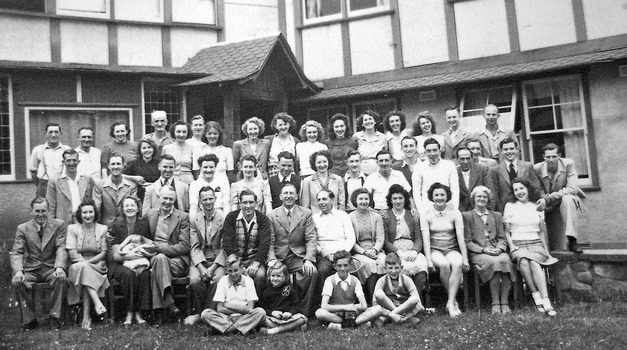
point(409, 146)
point(39, 255)
point(208, 259)
point(456, 134)
point(170, 229)
point(109, 194)
point(510, 168)
point(247, 233)
point(295, 243)
point(470, 176)
point(563, 198)
point(286, 175)
point(492, 135)
point(476, 149)
point(66, 192)
point(151, 198)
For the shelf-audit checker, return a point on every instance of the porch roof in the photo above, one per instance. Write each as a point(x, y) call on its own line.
point(467, 76)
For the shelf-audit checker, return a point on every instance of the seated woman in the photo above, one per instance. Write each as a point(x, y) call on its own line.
point(403, 237)
point(135, 285)
point(250, 181)
point(87, 248)
point(526, 236)
point(485, 241)
point(369, 237)
point(322, 179)
point(443, 239)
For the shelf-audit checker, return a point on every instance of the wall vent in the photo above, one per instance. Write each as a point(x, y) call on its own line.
point(427, 96)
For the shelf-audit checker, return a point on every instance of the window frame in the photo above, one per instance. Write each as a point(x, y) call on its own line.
point(354, 106)
point(181, 108)
point(86, 14)
point(11, 176)
point(327, 108)
point(27, 115)
point(583, 182)
point(344, 14)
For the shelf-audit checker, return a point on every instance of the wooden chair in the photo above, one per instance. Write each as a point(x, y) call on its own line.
point(41, 293)
point(522, 293)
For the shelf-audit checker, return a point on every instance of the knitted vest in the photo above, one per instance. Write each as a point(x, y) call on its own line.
point(341, 296)
point(247, 244)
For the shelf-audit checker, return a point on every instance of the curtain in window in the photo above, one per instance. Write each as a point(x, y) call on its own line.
point(567, 92)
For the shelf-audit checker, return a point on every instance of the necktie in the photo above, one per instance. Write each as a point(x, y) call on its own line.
point(40, 232)
point(289, 218)
point(176, 202)
point(512, 172)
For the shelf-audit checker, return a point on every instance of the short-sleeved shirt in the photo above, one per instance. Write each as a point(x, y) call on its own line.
point(48, 161)
point(379, 186)
point(524, 219)
point(332, 282)
point(89, 162)
point(244, 291)
point(303, 151)
point(398, 294)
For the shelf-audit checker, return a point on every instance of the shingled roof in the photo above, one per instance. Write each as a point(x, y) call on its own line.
point(469, 76)
point(240, 61)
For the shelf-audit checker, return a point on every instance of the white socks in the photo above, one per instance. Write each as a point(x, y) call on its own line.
point(547, 304)
point(537, 299)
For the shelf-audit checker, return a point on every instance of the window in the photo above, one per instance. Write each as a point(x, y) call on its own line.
point(364, 5)
point(380, 106)
point(160, 96)
point(6, 145)
point(554, 112)
point(474, 101)
point(22, 5)
point(323, 115)
point(323, 10)
point(84, 8)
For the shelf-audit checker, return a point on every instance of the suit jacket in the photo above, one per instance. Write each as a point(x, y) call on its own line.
point(389, 225)
point(474, 231)
point(151, 198)
point(198, 235)
point(450, 146)
point(485, 141)
point(565, 181)
point(403, 168)
point(300, 237)
point(311, 186)
point(242, 147)
point(276, 185)
point(501, 187)
point(119, 229)
point(108, 200)
point(60, 198)
point(31, 252)
point(479, 176)
point(178, 233)
point(264, 232)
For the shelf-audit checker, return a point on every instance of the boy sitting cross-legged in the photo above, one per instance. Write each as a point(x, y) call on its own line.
point(343, 301)
point(396, 293)
point(235, 297)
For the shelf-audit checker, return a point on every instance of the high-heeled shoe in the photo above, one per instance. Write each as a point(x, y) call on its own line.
point(451, 310)
point(101, 310)
point(129, 319)
point(86, 325)
point(139, 319)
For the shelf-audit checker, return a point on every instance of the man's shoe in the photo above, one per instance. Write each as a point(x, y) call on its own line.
point(55, 323)
point(30, 325)
point(573, 246)
point(173, 310)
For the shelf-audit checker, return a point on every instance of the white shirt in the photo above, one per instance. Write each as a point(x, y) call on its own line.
point(466, 175)
point(379, 186)
point(303, 151)
point(335, 232)
point(74, 192)
point(353, 183)
point(89, 162)
point(425, 174)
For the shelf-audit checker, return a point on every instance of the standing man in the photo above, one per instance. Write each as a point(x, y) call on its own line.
point(151, 198)
point(208, 259)
point(510, 168)
point(470, 176)
point(170, 229)
point(88, 155)
point(69, 190)
point(475, 148)
point(378, 184)
point(247, 233)
point(46, 160)
point(409, 146)
point(456, 134)
point(492, 135)
point(295, 243)
point(353, 179)
point(220, 185)
point(434, 170)
point(39, 255)
point(286, 175)
point(563, 198)
point(160, 136)
point(109, 193)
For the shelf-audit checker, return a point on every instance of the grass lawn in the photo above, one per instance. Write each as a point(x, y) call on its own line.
point(577, 326)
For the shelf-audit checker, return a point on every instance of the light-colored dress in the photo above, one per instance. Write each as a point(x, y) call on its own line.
point(84, 273)
point(261, 189)
point(303, 151)
point(224, 154)
point(183, 157)
point(524, 220)
point(369, 149)
point(403, 242)
point(441, 226)
point(394, 144)
point(369, 234)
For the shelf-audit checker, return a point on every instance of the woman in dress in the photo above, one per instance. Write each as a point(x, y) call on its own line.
point(320, 162)
point(86, 243)
point(395, 124)
point(253, 145)
point(250, 181)
point(369, 238)
point(144, 170)
point(181, 151)
point(370, 141)
point(282, 141)
point(214, 135)
point(443, 240)
point(198, 131)
point(485, 241)
point(424, 128)
point(525, 232)
point(120, 146)
point(135, 287)
point(402, 235)
point(313, 133)
point(340, 142)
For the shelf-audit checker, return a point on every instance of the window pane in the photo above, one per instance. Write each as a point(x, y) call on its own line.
point(539, 94)
point(365, 4)
point(541, 119)
point(160, 96)
point(475, 101)
point(98, 6)
point(384, 107)
point(5, 128)
point(572, 145)
point(321, 8)
point(22, 5)
point(566, 90)
point(569, 115)
point(319, 115)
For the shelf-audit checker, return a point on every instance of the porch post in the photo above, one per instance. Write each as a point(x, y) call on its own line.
point(232, 110)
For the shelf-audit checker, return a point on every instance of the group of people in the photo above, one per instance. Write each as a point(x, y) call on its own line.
point(276, 229)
